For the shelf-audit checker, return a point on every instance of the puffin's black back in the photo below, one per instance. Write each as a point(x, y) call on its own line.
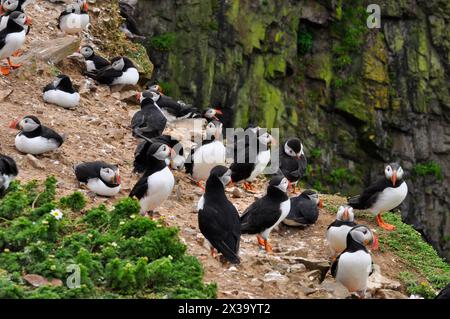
point(149, 121)
point(303, 209)
point(8, 166)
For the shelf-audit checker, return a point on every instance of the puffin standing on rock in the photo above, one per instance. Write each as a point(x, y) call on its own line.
point(35, 138)
point(292, 161)
point(149, 121)
point(267, 212)
point(304, 209)
point(121, 72)
point(75, 18)
point(8, 172)
point(12, 38)
point(337, 231)
point(93, 61)
point(156, 185)
point(218, 219)
point(384, 195)
point(61, 92)
point(101, 178)
point(354, 266)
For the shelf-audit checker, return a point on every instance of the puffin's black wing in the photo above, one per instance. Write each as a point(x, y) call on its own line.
point(221, 229)
point(86, 171)
point(3, 35)
point(140, 188)
point(444, 293)
point(105, 75)
point(100, 62)
point(149, 122)
point(8, 166)
point(140, 156)
point(49, 87)
point(262, 214)
point(369, 195)
point(189, 164)
point(303, 210)
point(171, 106)
point(51, 134)
point(334, 267)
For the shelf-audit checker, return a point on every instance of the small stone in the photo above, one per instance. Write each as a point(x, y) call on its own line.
point(200, 239)
point(389, 294)
point(35, 162)
point(35, 280)
point(297, 268)
point(237, 193)
point(255, 282)
point(313, 275)
point(56, 282)
point(4, 94)
point(275, 276)
point(232, 268)
point(116, 95)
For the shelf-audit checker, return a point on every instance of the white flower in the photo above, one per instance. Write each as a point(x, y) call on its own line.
point(57, 214)
point(113, 244)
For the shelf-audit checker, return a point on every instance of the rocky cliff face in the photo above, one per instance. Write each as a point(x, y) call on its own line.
point(358, 97)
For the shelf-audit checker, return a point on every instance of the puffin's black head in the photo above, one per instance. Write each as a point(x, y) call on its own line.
point(314, 196)
point(159, 151)
point(63, 83)
point(293, 147)
point(214, 128)
point(156, 88)
point(362, 235)
point(18, 18)
point(279, 182)
point(393, 171)
point(211, 114)
point(127, 63)
point(27, 124)
point(87, 51)
point(221, 173)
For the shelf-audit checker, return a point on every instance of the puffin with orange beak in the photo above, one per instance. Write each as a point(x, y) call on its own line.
point(292, 161)
point(385, 194)
point(337, 231)
point(101, 178)
point(75, 18)
point(304, 209)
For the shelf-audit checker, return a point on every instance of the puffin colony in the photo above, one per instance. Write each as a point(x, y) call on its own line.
point(208, 163)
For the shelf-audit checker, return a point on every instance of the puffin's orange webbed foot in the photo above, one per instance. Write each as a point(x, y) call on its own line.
point(13, 65)
point(5, 70)
point(384, 225)
point(199, 184)
point(213, 252)
point(17, 53)
point(260, 240)
point(267, 247)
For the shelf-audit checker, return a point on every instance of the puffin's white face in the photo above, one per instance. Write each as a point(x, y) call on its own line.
point(289, 151)
point(226, 178)
point(28, 125)
point(314, 197)
point(109, 175)
point(212, 114)
point(283, 186)
point(163, 152)
point(57, 81)
point(362, 235)
point(155, 88)
point(10, 5)
point(73, 8)
point(86, 51)
point(118, 65)
point(21, 19)
point(266, 139)
point(345, 214)
point(393, 172)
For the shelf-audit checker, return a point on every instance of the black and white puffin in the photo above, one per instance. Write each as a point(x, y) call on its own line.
point(101, 178)
point(121, 72)
point(385, 194)
point(61, 92)
point(75, 18)
point(176, 156)
point(156, 185)
point(292, 161)
point(218, 219)
point(253, 160)
point(6, 8)
point(304, 209)
point(149, 121)
point(353, 266)
point(12, 38)
point(8, 172)
point(203, 158)
point(93, 61)
point(267, 212)
point(35, 138)
point(337, 231)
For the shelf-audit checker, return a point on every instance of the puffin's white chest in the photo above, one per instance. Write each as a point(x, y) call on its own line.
point(262, 160)
point(3, 22)
point(206, 158)
point(201, 203)
point(61, 98)
point(13, 42)
point(159, 188)
point(7, 179)
point(73, 23)
point(353, 270)
point(285, 207)
point(390, 198)
point(337, 238)
point(97, 186)
point(35, 145)
point(90, 66)
point(130, 76)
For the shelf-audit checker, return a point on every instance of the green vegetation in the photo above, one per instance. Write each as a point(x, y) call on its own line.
point(167, 87)
point(120, 254)
point(340, 176)
point(430, 168)
point(315, 153)
point(163, 42)
point(407, 244)
point(304, 41)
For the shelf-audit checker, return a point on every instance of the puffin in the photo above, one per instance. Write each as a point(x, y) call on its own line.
point(176, 156)
point(304, 209)
point(385, 194)
point(149, 121)
point(61, 92)
point(93, 61)
point(157, 182)
point(292, 161)
point(121, 72)
point(218, 219)
point(35, 138)
point(101, 178)
point(353, 266)
point(254, 159)
point(203, 158)
point(8, 172)
point(12, 38)
point(267, 212)
point(444, 293)
point(130, 27)
point(74, 18)
point(337, 231)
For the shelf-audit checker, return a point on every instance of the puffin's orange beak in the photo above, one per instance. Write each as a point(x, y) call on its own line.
point(394, 177)
point(116, 179)
point(14, 124)
point(321, 203)
point(375, 244)
point(2, 10)
point(172, 152)
point(345, 216)
point(85, 6)
point(138, 96)
point(28, 21)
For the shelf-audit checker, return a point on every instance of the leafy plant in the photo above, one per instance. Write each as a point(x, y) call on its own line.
point(304, 41)
point(75, 202)
point(430, 168)
point(163, 42)
point(341, 175)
